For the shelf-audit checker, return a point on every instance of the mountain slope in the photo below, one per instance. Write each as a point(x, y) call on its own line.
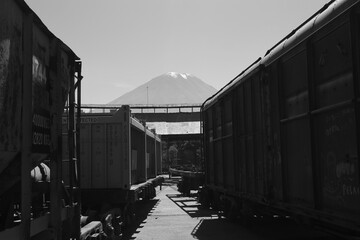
point(169, 88)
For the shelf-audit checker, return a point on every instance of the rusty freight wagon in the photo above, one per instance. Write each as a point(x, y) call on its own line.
point(38, 75)
point(283, 136)
point(119, 163)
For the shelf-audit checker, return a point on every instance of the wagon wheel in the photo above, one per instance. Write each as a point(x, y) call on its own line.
point(128, 214)
point(230, 210)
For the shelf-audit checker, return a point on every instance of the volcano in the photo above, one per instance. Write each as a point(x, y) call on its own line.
point(169, 88)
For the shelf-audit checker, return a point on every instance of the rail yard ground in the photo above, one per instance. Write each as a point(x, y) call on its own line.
point(171, 215)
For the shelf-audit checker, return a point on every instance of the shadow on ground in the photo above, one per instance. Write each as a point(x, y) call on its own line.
point(276, 229)
point(213, 226)
point(190, 205)
point(142, 210)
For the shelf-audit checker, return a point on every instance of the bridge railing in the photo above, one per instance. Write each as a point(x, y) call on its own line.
point(143, 108)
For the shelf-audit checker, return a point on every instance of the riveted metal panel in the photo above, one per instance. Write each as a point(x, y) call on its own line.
point(98, 156)
point(211, 158)
point(134, 161)
point(295, 84)
point(158, 157)
point(333, 63)
point(105, 150)
point(113, 151)
point(297, 162)
point(219, 164)
point(228, 157)
point(258, 137)
point(151, 157)
point(137, 160)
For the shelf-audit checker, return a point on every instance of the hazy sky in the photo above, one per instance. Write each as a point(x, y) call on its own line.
point(125, 43)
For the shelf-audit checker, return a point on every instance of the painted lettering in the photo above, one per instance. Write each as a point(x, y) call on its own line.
point(332, 130)
point(345, 169)
point(37, 138)
point(41, 139)
point(40, 121)
point(350, 190)
point(89, 120)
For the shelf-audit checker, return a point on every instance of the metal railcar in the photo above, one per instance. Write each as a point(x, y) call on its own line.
point(38, 75)
point(119, 165)
point(182, 153)
point(283, 136)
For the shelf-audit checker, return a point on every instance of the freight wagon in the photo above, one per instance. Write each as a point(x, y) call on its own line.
point(182, 151)
point(38, 75)
point(182, 157)
point(120, 159)
point(283, 136)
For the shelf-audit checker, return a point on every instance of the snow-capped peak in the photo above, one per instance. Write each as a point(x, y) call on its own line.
point(176, 75)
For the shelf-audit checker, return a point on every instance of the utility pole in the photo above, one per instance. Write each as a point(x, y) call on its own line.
point(147, 95)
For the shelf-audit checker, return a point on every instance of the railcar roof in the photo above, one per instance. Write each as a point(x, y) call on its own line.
point(318, 20)
point(313, 24)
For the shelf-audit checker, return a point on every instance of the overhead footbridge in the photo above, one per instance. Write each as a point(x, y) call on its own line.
point(153, 112)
